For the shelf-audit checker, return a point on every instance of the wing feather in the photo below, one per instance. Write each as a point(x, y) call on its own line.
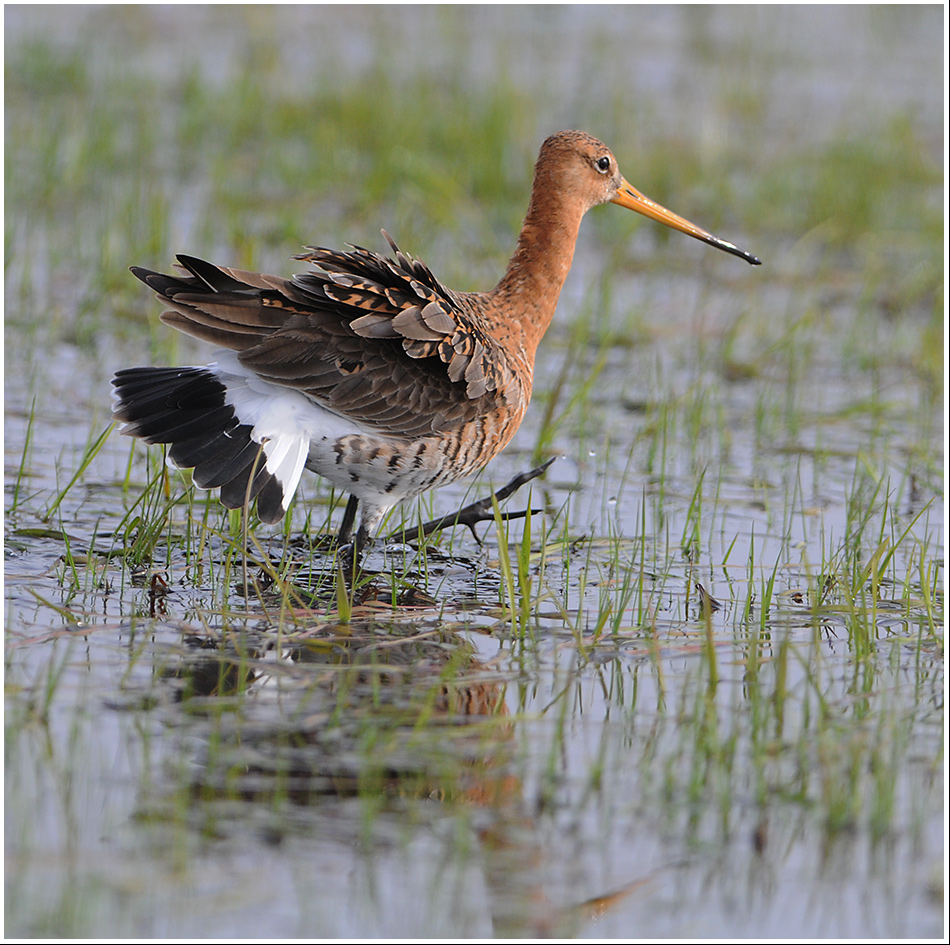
point(376, 339)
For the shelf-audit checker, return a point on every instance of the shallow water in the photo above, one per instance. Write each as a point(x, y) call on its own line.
point(579, 745)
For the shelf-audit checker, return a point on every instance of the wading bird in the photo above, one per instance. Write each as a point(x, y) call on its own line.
point(366, 369)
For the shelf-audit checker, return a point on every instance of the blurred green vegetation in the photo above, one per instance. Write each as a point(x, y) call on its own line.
point(109, 165)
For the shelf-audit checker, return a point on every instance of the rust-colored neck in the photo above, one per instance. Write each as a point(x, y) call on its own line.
point(529, 290)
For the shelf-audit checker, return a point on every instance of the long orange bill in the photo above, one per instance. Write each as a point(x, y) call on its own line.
point(631, 198)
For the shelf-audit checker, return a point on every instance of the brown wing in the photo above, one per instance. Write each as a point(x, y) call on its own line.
point(372, 338)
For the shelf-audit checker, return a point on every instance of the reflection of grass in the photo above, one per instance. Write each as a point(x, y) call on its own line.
point(795, 715)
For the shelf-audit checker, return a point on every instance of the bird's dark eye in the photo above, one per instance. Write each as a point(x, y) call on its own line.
point(603, 164)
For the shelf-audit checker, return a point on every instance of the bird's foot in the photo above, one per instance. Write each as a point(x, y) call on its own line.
point(480, 511)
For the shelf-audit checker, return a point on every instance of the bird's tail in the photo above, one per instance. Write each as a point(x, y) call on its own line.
point(193, 410)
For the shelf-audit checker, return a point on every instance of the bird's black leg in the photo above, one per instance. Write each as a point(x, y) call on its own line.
point(481, 511)
point(349, 520)
point(350, 546)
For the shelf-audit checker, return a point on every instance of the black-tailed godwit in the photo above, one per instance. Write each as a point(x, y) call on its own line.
point(366, 369)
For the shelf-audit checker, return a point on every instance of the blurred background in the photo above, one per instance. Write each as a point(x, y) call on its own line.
point(813, 136)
